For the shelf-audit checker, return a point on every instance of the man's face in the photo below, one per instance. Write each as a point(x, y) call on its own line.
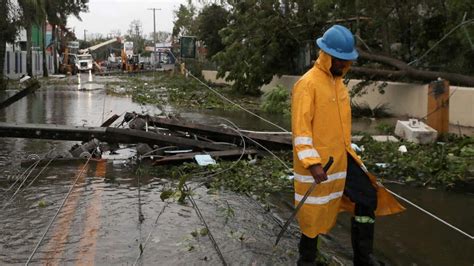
point(337, 65)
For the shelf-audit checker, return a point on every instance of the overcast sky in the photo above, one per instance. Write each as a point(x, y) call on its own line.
point(105, 16)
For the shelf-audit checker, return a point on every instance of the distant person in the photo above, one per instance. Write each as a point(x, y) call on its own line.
point(321, 126)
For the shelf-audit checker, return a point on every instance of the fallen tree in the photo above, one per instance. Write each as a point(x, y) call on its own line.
point(403, 70)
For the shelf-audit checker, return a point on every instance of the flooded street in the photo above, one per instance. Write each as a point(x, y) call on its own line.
point(100, 220)
point(100, 223)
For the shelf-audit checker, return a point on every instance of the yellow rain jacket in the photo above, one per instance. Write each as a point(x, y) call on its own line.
point(321, 126)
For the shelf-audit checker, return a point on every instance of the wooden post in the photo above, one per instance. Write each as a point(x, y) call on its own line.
point(31, 86)
point(438, 106)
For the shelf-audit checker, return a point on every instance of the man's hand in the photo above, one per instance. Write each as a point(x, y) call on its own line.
point(318, 173)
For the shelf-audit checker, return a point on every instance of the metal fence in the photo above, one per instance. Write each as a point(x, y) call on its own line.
point(15, 63)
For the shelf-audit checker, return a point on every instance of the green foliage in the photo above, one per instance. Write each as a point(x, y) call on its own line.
point(227, 211)
point(184, 24)
point(166, 194)
point(210, 21)
point(194, 66)
point(182, 189)
point(262, 40)
point(135, 35)
point(385, 128)
point(32, 12)
point(277, 101)
point(364, 110)
point(204, 232)
point(438, 164)
point(42, 204)
point(361, 87)
point(434, 164)
point(179, 91)
point(266, 38)
point(264, 177)
point(59, 11)
point(8, 30)
point(8, 23)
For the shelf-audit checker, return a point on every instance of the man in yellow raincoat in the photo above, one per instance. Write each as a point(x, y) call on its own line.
point(321, 127)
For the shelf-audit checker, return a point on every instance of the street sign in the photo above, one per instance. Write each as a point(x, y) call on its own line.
point(188, 47)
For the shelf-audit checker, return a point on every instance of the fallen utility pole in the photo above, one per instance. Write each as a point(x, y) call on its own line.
point(32, 86)
point(107, 134)
point(271, 141)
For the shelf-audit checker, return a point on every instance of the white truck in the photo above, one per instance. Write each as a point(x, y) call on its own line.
point(84, 62)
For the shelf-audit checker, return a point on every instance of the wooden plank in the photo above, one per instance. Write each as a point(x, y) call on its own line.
point(121, 135)
point(438, 106)
point(271, 141)
point(178, 158)
point(109, 121)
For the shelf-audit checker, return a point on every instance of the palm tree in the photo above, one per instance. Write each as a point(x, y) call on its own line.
point(8, 30)
point(33, 13)
point(56, 14)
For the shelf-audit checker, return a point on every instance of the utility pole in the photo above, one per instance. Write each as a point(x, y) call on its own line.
point(154, 37)
point(85, 35)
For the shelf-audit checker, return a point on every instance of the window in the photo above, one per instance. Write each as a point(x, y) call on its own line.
point(8, 62)
point(16, 63)
point(21, 63)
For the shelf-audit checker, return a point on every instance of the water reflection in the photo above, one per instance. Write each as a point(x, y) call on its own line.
point(406, 239)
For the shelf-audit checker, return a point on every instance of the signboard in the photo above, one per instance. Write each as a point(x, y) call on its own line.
point(188, 47)
point(73, 45)
point(128, 47)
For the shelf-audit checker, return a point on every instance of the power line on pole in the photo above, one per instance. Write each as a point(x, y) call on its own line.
point(154, 37)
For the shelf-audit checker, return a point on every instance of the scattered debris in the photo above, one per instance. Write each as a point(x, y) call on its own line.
point(415, 131)
point(163, 140)
point(384, 138)
point(403, 149)
point(204, 159)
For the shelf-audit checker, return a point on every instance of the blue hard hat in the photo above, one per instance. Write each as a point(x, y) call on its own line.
point(338, 41)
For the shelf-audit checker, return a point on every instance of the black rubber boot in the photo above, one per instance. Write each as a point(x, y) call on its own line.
point(362, 236)
point(308, 249)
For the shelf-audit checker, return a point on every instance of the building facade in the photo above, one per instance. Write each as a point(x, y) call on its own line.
point(15, 55)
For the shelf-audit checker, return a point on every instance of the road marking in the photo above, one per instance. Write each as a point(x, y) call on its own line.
point(88, 242)
point(56, 244)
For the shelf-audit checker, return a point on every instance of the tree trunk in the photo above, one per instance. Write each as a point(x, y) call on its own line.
point(405, 71)
point(55, 52)
point(29, 52)
point(385, 34)
point(43, 40)
point(3, 81)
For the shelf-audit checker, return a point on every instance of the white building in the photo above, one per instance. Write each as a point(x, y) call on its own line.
point(15, 59)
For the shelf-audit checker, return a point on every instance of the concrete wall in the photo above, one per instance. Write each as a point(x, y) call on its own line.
point(403, 99)
point(210, 75)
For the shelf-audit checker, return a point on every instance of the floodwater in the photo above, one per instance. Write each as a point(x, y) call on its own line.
point(100, 223)
point(100, 220)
